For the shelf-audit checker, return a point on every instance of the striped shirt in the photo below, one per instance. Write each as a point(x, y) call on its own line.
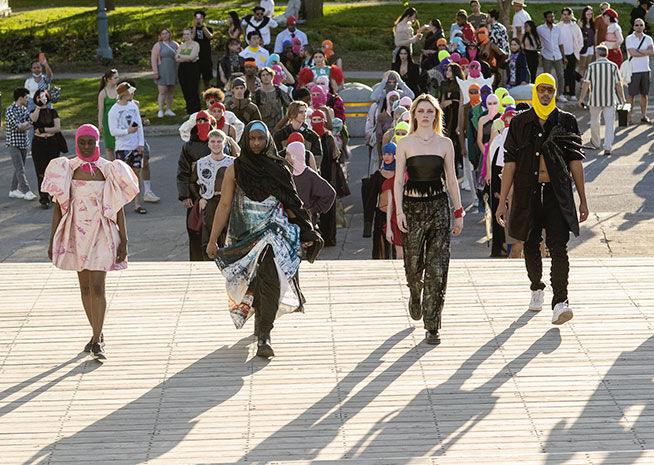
point(603, 76)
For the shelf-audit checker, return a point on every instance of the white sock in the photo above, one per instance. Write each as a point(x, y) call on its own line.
point(147, 185)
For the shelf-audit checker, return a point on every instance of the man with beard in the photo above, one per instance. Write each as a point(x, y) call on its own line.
point(196, 148)
point(542, 156)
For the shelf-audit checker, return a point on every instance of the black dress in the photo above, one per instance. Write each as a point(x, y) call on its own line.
point(450, 91)
point(411, 77)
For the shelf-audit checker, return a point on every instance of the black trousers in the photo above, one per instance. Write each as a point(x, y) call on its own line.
point(43, 151)
point(266, 292)
point(327, 224)
point(381, 248)
point(569, 75)
point(499, 237)
point(547, 215)
point(532, 63)
point(195, 251)
point(427, 254)
point(189, 80)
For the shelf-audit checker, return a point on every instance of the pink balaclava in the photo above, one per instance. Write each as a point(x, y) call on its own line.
point(323, 81)
point(297, 45)
point(475, 69)
point(277, 79)
point(406, 102)
point(88, 130)
point(493, 105)
point(390, 94)
point(297, 154)
point(318, 97)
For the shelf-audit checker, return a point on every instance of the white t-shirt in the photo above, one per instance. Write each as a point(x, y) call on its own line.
point(265, 31)
point(260, 55)
point(268, 6)
point(121, 118)
point(519, 20)
point(207, 169)
point(639, 64)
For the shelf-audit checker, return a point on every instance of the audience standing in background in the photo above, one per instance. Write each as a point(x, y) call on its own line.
point(640, 48)
point(403, 30)
point(37, 81)
point(234, 30)
point(255, 50)
point(552, 51)
point(256, 21)
point(600, 25)
point(407, 69)
point(497, 33)
point(531, 46)
point(46, 143)
point(188, 71)
point(640, 12)
point(164, 68)
point(231, 63)
point(107, 96)
point(288, 34)
point(520, 17)
point(17, 123)
point(572, 41)
point(614, 36)
point(587, 52)
point(203, 34)
point(476, 17)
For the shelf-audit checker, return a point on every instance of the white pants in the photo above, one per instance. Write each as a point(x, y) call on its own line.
point(609, 122)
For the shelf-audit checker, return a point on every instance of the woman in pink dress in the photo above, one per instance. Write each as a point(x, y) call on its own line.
point(88, 224)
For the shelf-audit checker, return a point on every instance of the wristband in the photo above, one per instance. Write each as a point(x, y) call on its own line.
point(459, 213)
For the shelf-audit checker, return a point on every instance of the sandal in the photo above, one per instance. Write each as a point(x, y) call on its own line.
point(140, 211)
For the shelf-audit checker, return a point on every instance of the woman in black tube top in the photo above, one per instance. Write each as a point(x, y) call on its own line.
point(423, 211)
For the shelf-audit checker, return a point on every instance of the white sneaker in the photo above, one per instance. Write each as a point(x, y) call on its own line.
point(160, 114)
point(465, 186)
point(561, 313)
point(29, 195)
point(16, 194)
point(573, 98)
point(562, 99)
point(536, 304)
point(150, 196)
point(170, 112)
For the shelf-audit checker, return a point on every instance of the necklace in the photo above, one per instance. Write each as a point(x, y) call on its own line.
point(428, 138)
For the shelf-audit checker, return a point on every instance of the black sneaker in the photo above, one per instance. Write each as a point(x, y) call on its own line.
point(89, 345)
point(98, 352)
point(415, 308)
point(264, 349)
point(432, 338)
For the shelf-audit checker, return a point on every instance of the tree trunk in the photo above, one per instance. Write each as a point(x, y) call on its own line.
point(505, 13)
point(312, 8)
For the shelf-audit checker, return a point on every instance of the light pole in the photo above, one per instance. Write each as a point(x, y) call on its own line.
point(104, 51)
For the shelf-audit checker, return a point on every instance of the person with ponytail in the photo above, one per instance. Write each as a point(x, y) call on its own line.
point(542, 157)
point(89, 233)
point(422, 209)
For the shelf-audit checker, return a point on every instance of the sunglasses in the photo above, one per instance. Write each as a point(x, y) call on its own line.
point(473, 92)
point(546, 90)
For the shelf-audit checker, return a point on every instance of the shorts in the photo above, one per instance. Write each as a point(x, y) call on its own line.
point(639, 84)
point(206, 69)
point(132, 157)
point(146, 150)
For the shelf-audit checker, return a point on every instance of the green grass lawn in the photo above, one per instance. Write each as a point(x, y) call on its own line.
point(78, 103)
point(361, 34)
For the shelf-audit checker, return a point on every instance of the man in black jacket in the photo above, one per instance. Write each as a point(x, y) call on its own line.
point(196, 148)
point(542, 157)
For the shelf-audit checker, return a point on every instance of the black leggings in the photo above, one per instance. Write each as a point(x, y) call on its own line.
point(195, 251)
point(266, 292)
point(427, 253)
point(189, 80)
point(569, 75)
point(44, 149)
point(532, 63)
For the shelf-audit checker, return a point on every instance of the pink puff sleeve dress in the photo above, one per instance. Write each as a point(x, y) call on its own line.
point(87, 237)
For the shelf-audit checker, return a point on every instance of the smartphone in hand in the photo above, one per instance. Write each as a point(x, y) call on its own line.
point(41, 57)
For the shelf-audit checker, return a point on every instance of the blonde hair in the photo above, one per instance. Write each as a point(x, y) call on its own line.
point(438, 119)
point(217, 133)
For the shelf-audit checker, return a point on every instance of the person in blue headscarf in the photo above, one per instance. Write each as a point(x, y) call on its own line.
point(268, 225)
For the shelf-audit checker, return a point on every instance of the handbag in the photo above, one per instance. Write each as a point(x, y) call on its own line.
point(626, 69)
point(61, 143)
point(194, 221)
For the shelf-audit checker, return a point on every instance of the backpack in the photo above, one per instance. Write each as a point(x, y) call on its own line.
point(258, 28)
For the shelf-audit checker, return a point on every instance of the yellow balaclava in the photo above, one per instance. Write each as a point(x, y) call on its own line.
point(399, 126)
point(541, 110)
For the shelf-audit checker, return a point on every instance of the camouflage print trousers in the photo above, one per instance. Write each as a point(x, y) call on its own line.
point(427, 253)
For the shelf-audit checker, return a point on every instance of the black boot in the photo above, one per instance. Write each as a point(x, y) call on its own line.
point(264, 349)
point(432, 337)
point(415, 307)
point(89, 345)
point(367, 229)
point(98, 352)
